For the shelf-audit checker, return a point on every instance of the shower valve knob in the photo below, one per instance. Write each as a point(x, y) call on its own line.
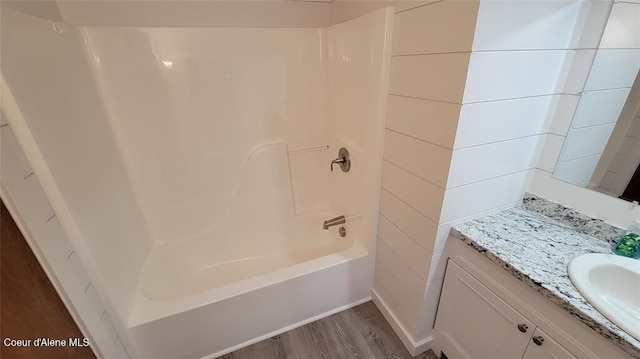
point(344, 160)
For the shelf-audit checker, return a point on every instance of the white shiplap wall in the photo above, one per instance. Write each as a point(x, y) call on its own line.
point(431, 49)
point(529, 62)
point(471, 116)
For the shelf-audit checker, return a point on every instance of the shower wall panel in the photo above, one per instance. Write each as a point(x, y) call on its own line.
point(188, 107)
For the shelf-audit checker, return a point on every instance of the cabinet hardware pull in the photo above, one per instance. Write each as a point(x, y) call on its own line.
point(523, 327)
point(538, 340)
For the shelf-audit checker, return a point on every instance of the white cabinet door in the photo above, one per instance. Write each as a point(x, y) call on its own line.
point(473, 322)
point(541, 346)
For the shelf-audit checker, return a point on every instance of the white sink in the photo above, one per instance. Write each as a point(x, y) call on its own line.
point(611, 284)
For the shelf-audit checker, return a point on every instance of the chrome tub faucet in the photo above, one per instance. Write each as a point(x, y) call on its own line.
point(333, 222)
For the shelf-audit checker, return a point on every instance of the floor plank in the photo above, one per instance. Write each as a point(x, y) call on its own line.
point(359, 333)
point(306, 342)
point(377, 331)
point(31, 307)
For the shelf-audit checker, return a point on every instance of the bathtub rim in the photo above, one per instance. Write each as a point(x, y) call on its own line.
point(146, 310)
point(151, 270)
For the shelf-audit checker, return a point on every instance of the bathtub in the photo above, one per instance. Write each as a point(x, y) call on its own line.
point(261, 270)
point(257, 298)
point(181, 270)
point(192, 175)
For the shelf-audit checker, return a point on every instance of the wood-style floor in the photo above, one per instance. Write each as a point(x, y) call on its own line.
point(360, 332)
point(31, 307)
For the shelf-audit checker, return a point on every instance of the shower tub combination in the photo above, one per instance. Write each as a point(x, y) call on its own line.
point(194, 167)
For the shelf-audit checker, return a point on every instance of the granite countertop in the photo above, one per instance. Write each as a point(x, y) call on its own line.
point(536, 249)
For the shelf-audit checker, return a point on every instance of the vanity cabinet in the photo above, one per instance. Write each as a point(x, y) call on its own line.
point(476, 323)
point(485, 312)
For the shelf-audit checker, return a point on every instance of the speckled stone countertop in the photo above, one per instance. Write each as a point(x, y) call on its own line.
point(536, 249)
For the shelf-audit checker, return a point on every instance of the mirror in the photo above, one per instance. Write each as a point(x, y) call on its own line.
point(602, 147)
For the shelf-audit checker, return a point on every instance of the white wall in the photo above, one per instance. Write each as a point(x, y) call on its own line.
point(47, 9)
point(56, 106)
point(190, 13)
point(466, 131)
point(343, 10)
point(518, 59)
point(530, 62)
point(431, 48)
point(523, 55)
point(268, 13)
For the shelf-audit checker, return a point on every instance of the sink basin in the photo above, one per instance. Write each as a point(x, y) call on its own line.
point(611, 284)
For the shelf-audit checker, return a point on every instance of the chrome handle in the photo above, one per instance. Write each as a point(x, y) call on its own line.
point(338, 161)
point(344, 160)
point(523, 327)
point(538, 340)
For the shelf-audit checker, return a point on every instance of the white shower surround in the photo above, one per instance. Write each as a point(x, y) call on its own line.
point(259, 112)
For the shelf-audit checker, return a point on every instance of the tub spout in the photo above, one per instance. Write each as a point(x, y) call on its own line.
point(333, 222)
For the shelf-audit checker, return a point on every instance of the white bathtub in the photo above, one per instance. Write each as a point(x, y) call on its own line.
point(182, 270)
point(245, 300)
point(259, 271)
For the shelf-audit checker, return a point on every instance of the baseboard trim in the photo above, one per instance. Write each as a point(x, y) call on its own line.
point(414, 347)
